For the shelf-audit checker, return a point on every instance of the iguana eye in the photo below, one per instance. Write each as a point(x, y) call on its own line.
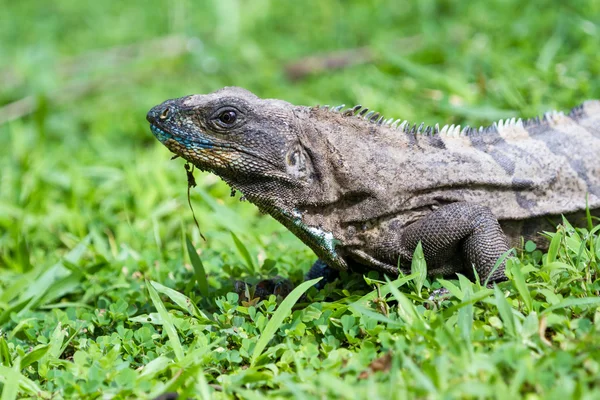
point(228, 117)
point(165, 114)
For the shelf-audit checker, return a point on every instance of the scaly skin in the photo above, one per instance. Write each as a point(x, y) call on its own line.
point(362, 191)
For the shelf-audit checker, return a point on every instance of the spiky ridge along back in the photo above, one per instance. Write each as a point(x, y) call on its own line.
point(358, 111)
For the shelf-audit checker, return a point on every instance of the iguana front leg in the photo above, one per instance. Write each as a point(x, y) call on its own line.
point(462, 230)
point(455, 238)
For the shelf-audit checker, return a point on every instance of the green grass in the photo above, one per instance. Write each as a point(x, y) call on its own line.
point(98, 298)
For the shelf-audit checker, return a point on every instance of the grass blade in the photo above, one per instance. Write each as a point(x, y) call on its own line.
point(420, 377)
point(11, 379)
point(465, 319)
point(473, 298)
point(406, 309)
point(519, 281)
point(5, 358)
point(284, 309)
point(180, 299)
point(452, 288)
point(499, 262)
point(23, 256)
point(554, 244)
point(167, 322)
point(155, 367)
point(199, 272)
point(574, 301)
point(243, 252)
point(14, 381)
point(35, 355)
point(505, 311)
point(362, 310)
point(384, 290)
point(418, 267)
point(201, 385)
point(588, 214)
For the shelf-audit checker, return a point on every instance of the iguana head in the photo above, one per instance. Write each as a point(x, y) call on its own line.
point(265, 148)
point(232, 133)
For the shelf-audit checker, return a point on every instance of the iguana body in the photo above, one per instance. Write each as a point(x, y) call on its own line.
point(362, 191)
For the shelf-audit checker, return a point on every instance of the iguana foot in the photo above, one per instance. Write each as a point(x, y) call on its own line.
point(438, 295)
point(282, 287)
point(320, 269)
point(262, 290)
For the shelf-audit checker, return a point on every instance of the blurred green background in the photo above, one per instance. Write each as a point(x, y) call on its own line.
point(78, 164)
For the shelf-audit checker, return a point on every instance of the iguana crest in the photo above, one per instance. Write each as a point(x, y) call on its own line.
point(358, 111)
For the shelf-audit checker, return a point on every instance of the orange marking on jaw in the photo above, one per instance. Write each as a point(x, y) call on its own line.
point(210, 157)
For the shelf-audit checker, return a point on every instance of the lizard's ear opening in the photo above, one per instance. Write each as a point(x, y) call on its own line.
point(298, 164)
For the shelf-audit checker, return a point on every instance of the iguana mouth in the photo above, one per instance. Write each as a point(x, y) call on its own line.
point(182, 146)
point(164, 135)
point(161, 135)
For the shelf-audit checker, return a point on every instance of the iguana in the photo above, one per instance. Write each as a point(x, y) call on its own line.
point(362, 190)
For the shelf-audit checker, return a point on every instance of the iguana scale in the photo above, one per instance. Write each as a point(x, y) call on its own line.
point(362, 190)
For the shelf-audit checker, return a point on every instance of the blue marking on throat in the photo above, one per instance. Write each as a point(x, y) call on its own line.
point(160, 134)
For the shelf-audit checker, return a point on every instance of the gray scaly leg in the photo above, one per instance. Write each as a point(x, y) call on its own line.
point(464, 230)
